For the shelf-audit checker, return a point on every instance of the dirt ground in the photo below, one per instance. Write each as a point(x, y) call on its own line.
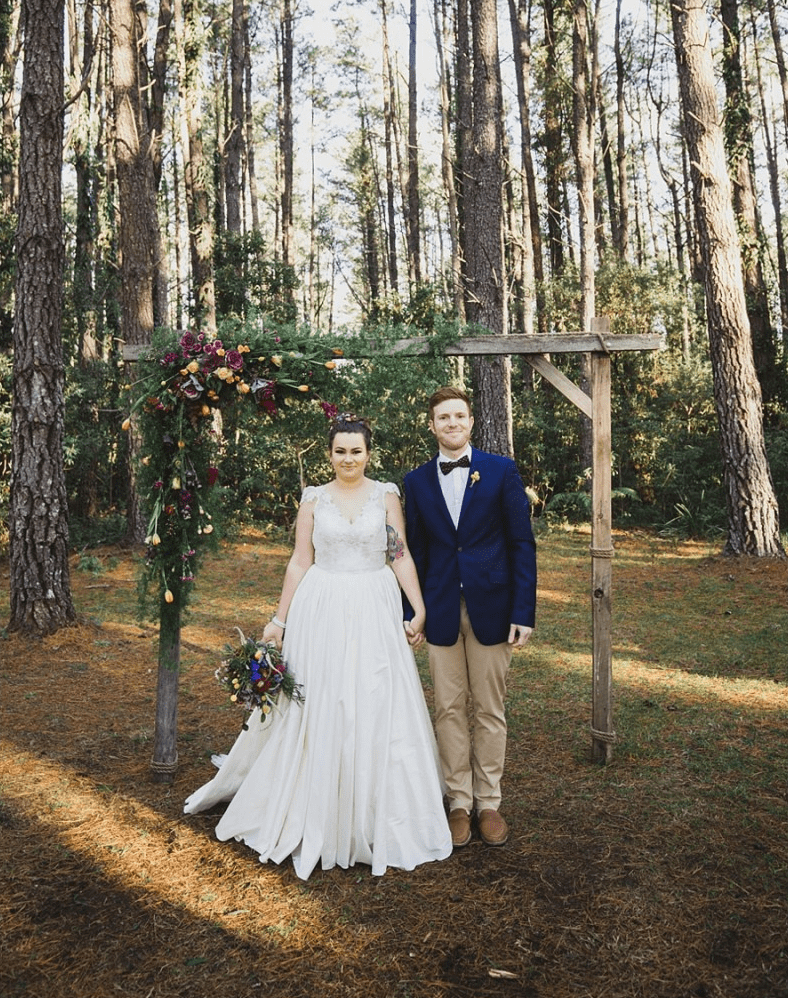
point(641, 878)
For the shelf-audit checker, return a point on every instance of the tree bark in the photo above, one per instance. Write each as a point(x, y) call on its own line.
point(621, 145)
point(739, 146)
point(753, 521)
point(286, 132)
point(195, 167)
point(533, 271)
point(583, 144)
point(485, 280)
point(233, 144)
point(414, 206)
point(553, 146)
point(389, 111)
point(41, 599)
point(138, 238)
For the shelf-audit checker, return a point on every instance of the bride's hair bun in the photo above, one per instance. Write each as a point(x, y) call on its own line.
point(349, 422)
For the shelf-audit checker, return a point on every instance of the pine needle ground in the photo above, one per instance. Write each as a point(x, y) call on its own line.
point(663, 874)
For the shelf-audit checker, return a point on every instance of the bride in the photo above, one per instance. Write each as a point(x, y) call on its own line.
point(352, 774)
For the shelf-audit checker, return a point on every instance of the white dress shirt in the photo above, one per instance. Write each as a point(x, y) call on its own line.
point(453, 484)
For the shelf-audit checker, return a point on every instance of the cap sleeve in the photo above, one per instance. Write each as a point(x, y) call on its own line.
point(389, 487)
point(310, 494)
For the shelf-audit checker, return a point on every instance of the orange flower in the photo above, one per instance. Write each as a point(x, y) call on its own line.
point(168, 596)
point(331, 364)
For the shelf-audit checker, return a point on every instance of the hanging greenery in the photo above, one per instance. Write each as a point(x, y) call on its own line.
point(184, 384)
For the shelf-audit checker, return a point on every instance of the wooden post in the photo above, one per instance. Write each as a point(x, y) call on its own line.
point(602, 733)
point(165, 750)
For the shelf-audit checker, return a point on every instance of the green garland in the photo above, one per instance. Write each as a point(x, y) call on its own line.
point(184, 382)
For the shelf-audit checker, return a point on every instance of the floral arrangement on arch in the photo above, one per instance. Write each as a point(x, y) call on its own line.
point(183, 384)
point(254, 674)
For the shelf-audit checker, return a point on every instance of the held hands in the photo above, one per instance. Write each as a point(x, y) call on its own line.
point(518, 635)
point(414, 629)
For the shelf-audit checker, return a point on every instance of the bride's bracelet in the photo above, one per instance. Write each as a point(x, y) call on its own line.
point(277, 622)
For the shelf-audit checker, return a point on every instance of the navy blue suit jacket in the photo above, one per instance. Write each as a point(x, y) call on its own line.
point(490, 556)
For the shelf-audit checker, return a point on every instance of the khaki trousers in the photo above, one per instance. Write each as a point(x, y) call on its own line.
point(472, 748)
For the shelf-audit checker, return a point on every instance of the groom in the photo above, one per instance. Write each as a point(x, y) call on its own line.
point(469, 532)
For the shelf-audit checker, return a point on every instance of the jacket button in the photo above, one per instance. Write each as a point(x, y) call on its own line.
point(459, 549)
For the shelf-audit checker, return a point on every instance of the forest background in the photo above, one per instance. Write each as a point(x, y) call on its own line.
point(369, 171)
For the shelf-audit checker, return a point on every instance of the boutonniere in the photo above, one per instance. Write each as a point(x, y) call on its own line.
point(474, 479)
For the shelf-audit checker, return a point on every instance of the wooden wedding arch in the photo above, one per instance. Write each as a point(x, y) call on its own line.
point(600, 344)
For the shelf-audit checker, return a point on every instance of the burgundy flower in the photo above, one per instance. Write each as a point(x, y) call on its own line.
point(233, 360)
point(213, 474)
point(189, 343)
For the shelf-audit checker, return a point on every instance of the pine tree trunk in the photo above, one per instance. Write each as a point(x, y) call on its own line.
point(553, 145)
point(41, 599)
point(138, 238)
point(447, 160)
point(414, 207)
point(233, 145)
point(753, 523)
point(286, 134)
point(621, 147)
point(739, 146)
point(533, 272)
point(583, 143)
point(195, 167)
point(485, 280)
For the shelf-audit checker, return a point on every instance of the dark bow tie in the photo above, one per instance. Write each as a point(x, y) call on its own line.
point(447, 466)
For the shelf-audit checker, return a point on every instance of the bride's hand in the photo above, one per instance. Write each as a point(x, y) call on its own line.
point(414, 629)
point(273, 634)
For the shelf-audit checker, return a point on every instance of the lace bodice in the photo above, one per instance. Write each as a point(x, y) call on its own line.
point(345, 546)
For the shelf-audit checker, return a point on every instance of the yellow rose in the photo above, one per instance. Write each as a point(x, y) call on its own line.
point(243, 388)
point(331, 364)
point(303, 388)
point(277, 361)
point(337, 352)
point(207, 529)
point(221, 352)
point(234, 698)
point(206, 410)
point(168, 597)
point(224, 373)
point(258, 654)
point(266, 708)
point(181, 444)
point(155, 540)
point(125, 424)
point(193, 368)
point(176, 483)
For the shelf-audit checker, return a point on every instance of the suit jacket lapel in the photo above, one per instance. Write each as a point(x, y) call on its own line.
point(436, 493)
point(468, 497)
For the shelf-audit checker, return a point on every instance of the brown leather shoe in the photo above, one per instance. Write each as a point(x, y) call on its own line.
point(492, 828)
point(460, 827)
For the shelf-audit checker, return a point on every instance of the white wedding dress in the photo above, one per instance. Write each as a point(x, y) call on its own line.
point(352, 774)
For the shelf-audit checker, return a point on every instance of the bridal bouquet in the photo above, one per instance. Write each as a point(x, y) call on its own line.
point(256, 675)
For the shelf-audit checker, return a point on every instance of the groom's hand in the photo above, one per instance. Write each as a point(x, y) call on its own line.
point(414, 630)
point(519, 634)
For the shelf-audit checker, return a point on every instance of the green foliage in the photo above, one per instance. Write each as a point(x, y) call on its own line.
point(264, 472)
point(94, 453)
point(247, 280)
point(184, 385)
